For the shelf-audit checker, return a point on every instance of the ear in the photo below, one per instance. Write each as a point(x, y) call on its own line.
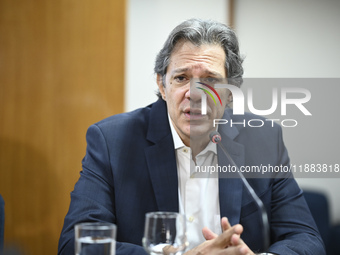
point(230, 100)
point(230, 97)
point(160, 86)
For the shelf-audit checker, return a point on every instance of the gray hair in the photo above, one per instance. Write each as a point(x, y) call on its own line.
point(200, 32)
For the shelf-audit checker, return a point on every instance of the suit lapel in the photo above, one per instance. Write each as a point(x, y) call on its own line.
point(230, 189)
point(161, 159)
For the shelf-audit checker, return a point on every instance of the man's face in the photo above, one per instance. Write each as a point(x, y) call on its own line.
point(206, 63)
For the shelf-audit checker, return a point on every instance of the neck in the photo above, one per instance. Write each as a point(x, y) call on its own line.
point(197, 145)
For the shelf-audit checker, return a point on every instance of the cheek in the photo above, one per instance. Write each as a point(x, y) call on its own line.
point(220, 113)
point(224, 95)
point(172, 101)
point(221, 109)
point(177, 95)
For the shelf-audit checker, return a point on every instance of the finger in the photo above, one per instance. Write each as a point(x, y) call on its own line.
point(244, 250)
point(238, 250)
point(236, 240)
point(238, 229)
point(208, 234)
point(169, 249)
point(224, 239)
point(225, 224)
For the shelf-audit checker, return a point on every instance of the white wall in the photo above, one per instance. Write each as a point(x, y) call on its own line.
point(292, 38)
point(298, 38)
point(149, 22)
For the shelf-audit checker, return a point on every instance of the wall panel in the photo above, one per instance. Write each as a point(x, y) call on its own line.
point(61, 69)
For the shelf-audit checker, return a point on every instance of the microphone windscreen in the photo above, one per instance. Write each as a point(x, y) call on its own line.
point(215, 137)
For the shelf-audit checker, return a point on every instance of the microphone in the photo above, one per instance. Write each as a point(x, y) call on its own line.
point(215, 137)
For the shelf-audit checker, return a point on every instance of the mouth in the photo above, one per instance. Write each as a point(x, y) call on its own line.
point(193, 114)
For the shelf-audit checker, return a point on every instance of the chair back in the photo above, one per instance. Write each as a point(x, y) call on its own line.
point(2, 223)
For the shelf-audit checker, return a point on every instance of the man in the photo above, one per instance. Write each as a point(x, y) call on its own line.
point(139, 162)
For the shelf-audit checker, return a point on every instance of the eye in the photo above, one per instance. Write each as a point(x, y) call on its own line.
point(210, 80)
point(180, 79)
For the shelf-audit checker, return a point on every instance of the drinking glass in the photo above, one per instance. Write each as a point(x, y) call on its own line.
point(165, 233)
point(94, 238)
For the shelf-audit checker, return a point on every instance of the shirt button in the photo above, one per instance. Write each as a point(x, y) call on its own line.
point(191, 218)
point(185, 150)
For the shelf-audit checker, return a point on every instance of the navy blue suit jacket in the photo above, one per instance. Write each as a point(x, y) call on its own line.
point(130, 169)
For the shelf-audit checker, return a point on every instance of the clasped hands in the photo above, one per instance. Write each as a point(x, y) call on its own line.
point(227, 243)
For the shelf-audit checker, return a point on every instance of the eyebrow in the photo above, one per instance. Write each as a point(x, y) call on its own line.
point(179, 70)
point(185, 69)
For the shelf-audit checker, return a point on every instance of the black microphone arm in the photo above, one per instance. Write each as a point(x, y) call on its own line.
point(215, 137)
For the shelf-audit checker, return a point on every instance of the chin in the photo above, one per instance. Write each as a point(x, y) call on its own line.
point(200, 132)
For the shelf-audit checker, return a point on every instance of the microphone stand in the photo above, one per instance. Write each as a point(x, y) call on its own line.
point(216, 138)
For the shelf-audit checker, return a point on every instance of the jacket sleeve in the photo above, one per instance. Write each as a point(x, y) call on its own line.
point(92, 199)
point(293, 230)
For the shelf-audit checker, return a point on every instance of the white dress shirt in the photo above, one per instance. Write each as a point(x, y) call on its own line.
point(198, 196)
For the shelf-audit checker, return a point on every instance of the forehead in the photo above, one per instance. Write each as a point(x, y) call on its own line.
point(208, 58)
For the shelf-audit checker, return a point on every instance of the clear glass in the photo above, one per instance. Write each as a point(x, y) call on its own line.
point(95, 238)
point(165, 233)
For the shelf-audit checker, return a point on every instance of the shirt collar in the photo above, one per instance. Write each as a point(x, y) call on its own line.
point(210, 147)
point(178, 143)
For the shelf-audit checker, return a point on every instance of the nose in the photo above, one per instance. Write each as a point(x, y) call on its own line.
point(193, 93)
